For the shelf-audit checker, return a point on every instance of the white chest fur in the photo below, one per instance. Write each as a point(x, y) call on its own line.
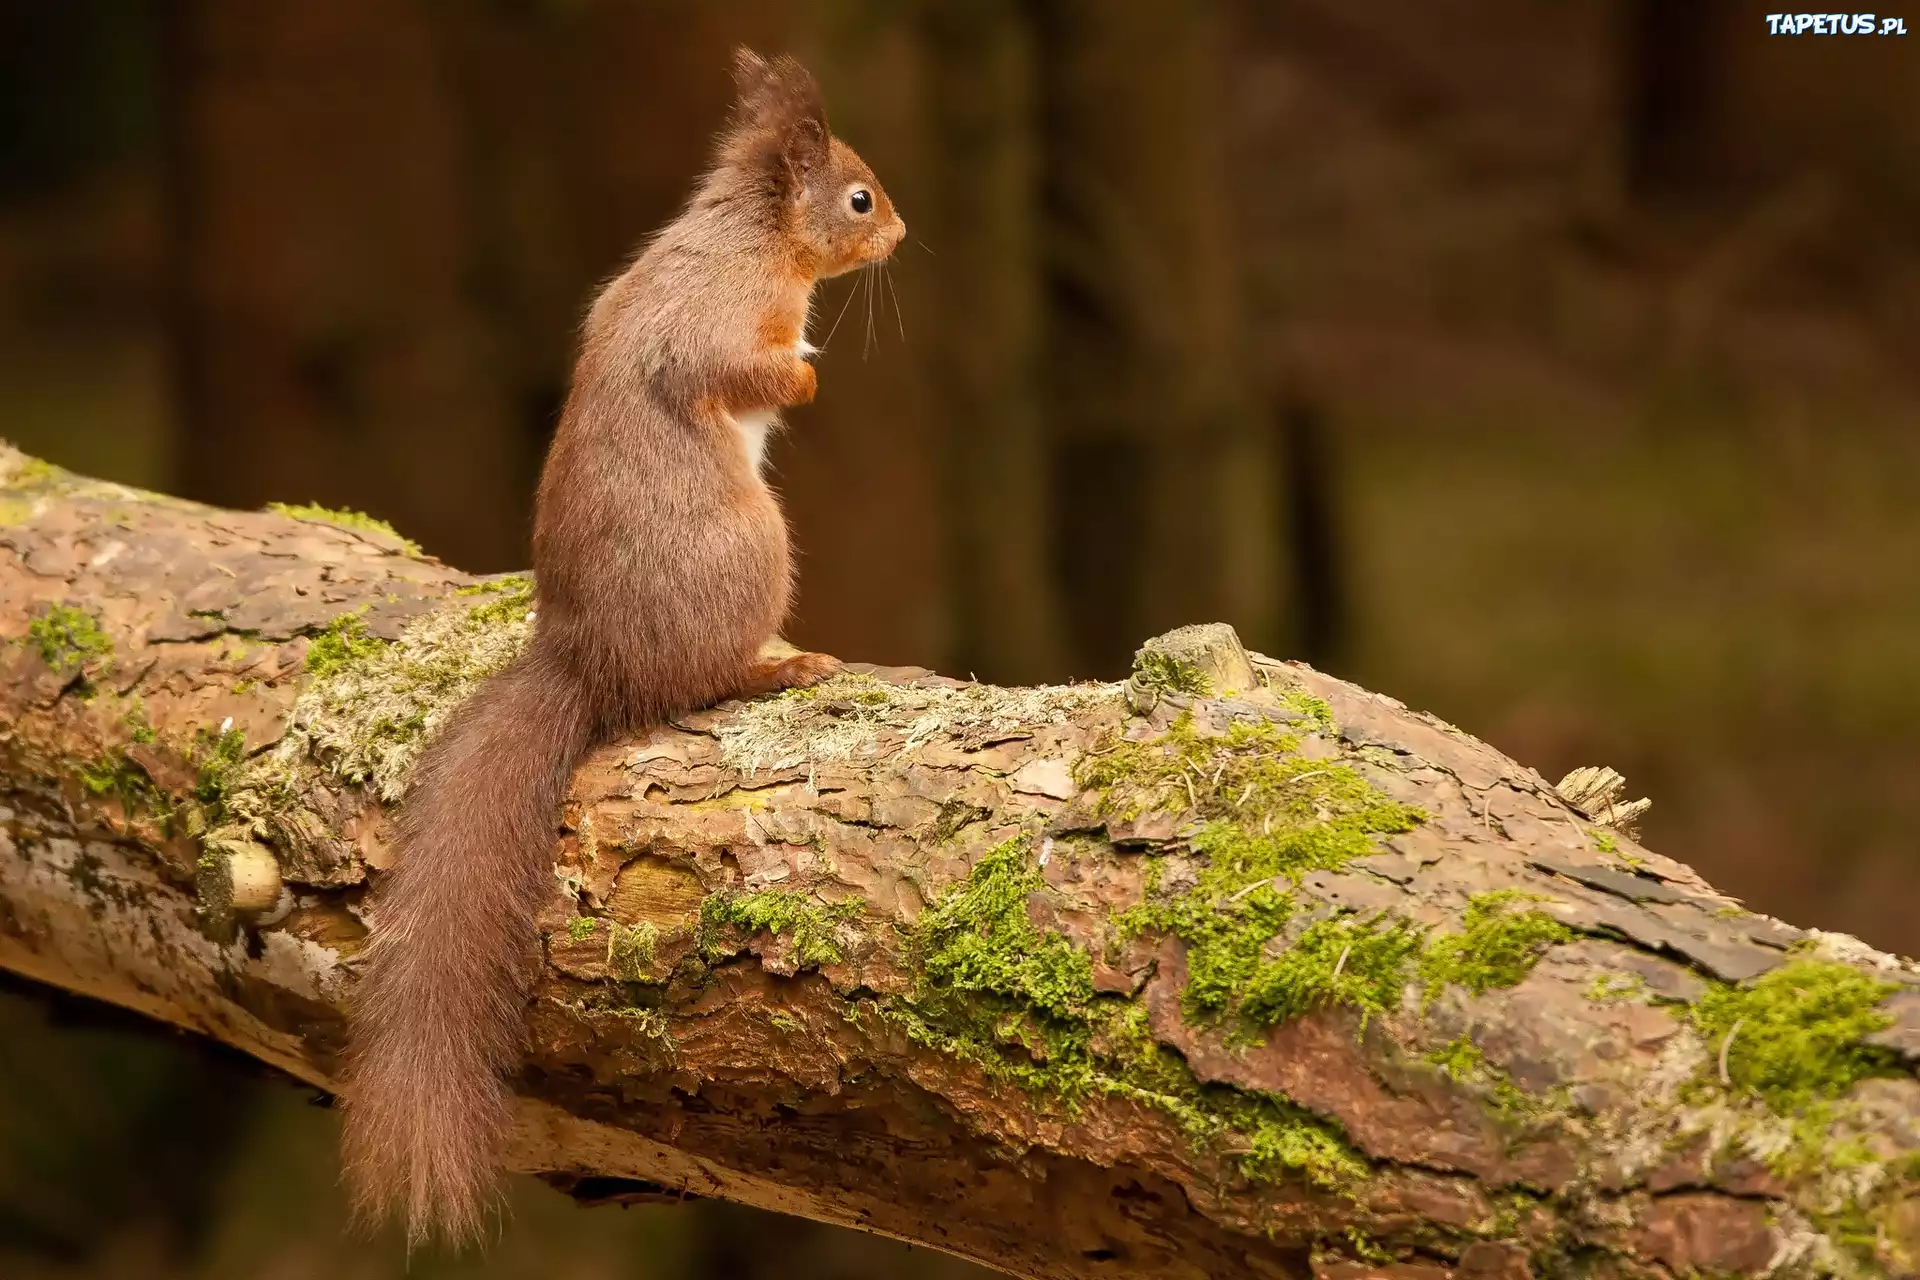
point(754, 427)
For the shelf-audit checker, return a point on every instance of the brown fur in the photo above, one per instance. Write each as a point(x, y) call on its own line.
point(662, 566)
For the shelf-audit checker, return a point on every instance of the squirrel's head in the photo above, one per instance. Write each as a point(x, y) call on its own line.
point(828, 200)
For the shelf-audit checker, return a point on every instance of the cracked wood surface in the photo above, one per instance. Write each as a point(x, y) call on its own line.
point(671, 1053)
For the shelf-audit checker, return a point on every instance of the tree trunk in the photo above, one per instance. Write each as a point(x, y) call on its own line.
point(329, 274)
point(1235, 969)
point(985, 361)
point(1163, 470)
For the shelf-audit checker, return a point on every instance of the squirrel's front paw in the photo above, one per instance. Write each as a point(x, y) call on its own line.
point(805, 382)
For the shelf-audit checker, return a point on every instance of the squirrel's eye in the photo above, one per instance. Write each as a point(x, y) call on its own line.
point(861, 201)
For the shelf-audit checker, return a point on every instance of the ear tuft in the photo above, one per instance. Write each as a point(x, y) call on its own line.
point(775, 93)
point(749, 71)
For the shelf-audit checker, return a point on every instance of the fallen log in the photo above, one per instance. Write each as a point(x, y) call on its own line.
point(1233, 968)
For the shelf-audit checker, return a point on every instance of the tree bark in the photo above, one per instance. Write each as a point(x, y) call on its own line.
point(1004, 972)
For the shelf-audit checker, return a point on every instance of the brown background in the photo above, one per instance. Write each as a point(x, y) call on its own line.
point(1548, 365)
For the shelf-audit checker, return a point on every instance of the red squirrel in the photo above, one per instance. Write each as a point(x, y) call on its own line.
point(661, 567)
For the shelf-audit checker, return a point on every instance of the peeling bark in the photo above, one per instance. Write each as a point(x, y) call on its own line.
point(908, 954)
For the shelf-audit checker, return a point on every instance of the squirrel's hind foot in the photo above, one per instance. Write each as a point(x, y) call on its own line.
point(794, 672)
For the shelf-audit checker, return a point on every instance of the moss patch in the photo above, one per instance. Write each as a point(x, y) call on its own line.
point(220, 757)
point(1153, 669)
point(1616, 988)
point(117, 776)
point(512, 599)
point(812, 929)
point(1315, 710)
point(1462, 1062)
point(368, 707)
point(580, 928)
point(1361, 964)
point(978, 940)
point(1497, 947)
point(1019, 1003)
point(630, 950)
point(344, 643)
point(358, 521)
point(1274, 806)
point(1269, 816)
point(1798, 1034)
point(67, 638)
point(371, 704)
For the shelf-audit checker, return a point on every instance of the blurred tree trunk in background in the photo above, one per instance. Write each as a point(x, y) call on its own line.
point(1164, 480)
point(981, 86)
point(328, 340)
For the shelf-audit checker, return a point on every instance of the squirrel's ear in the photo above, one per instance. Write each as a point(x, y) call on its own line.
point(803, 150)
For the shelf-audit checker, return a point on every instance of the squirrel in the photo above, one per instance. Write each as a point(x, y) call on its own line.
point(661, 567)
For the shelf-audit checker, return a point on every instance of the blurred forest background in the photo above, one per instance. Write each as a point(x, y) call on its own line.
point(1549, 364)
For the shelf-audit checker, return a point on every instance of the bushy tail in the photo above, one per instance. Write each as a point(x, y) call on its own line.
point(440, 1012)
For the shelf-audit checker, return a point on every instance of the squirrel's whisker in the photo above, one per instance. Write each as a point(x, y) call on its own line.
point(835, 327)
point(899, 316)
point(866, 345)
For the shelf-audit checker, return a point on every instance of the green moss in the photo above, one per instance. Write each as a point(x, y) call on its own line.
point(1363, 1247)
point(1615, 988)
point(355, 520)
point(786, 1022)
point(370, 704)
point(1361, 964)
point(630, 950)
point(647, 1021)
point(1605, 843)
point(811, 929)
point(1462, 1062)
point(1498, 945)
point(219, 758)
point(1798, 1033)
point(1270, 816)
point(33, 473)
point(67, 638)
point(1252, 778)
point(513, 582)
point(513, 599)
point(978, 940)
point(1313, 709)
point(1156, 670)
point(344, 643)
point(219, 755)
point(1225, 936)
point(1019, 1003)
point(580, 928)
point(117, 776)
